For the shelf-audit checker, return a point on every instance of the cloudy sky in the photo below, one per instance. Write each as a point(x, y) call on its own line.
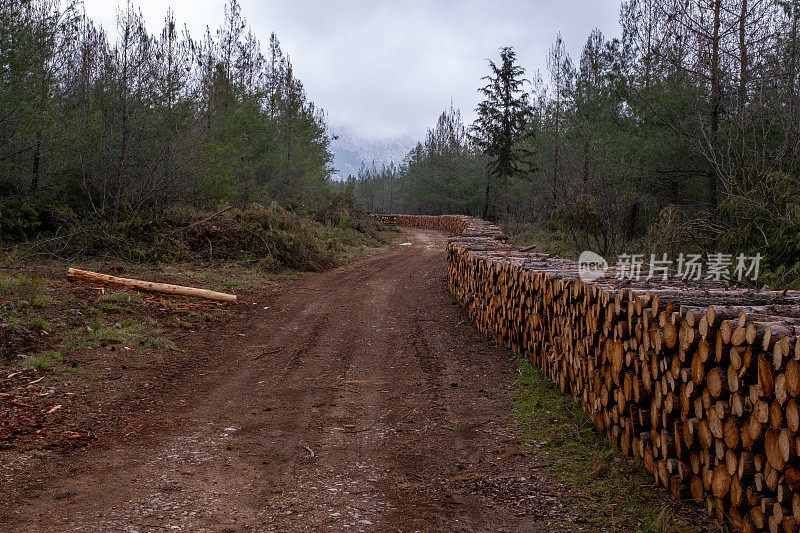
point(387, 69)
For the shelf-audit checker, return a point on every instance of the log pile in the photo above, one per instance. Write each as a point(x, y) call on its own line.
point(451, 223)
point(385, 219)
point(698, 380)
point(464, 226)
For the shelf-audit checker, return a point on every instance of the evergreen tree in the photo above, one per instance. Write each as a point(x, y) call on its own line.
point(502, 117)
point(126, 129)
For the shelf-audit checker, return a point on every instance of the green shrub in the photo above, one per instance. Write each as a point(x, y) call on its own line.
point(764, 217)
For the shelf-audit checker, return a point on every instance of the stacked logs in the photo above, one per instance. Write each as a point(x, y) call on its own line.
point(385, 219)
point(451, 223)
point(698, 380)
point(464, 226)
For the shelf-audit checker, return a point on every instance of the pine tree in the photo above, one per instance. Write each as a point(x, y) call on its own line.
point(500, 125)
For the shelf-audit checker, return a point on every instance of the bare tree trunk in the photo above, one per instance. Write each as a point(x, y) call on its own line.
point(505, 200)
point(587, 164)
point(486, 197)
point(37, 157)
point(649, 51)
point(743, 74)
point(44, 90)
point(168, 123)
point(123, 148)
point(673, 189)
point(633, 215)
point(742, 62)
point(715, 104)
point(793, 71)
point(556, 155)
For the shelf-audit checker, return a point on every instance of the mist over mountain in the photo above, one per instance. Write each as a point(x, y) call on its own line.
point(351, 150)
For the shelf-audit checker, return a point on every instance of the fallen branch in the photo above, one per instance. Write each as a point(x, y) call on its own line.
point(309, 450)
point(268, 352)
point(197, 223)
point(147, 286)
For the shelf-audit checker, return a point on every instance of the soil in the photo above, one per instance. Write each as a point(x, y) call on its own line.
point(359, 399)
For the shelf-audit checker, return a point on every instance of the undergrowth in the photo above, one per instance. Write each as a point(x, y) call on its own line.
point(269, 236)
point(674, 231)
point(546, 236)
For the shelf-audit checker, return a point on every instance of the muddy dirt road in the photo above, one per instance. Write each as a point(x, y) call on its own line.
point(354, 400)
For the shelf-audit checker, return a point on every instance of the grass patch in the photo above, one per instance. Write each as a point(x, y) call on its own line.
point(47, 360)
point(121, 302)
point(219, 284)
point(143, 331)
point(43, 300)
point(108, 307)
point(38, 323)
point(611, 491)
point(161, 343)
point(12, 321)
point(121, 297)
point(547, 236)
point(42, 361)
point(12, 284)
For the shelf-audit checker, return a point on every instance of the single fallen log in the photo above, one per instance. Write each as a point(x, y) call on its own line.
point(162, 288)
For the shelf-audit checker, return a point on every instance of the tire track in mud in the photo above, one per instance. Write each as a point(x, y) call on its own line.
point(359, 400)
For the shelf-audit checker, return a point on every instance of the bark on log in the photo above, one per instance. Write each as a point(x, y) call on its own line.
point(74, 274)
point(699, 380)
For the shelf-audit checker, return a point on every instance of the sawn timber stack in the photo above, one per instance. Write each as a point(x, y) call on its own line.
point(698, 380)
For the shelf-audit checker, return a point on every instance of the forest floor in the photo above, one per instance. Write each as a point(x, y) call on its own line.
point(357, 399)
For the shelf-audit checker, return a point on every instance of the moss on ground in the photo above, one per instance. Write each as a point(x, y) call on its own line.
point(613, 492)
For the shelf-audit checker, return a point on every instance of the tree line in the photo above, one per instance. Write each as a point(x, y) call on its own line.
point(113, 129)
point(683, 132)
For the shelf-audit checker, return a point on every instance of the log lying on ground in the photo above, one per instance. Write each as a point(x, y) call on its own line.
point(699, 380)
point(147, 286)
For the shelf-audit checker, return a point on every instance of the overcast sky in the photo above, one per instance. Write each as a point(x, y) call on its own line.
point(387, 69)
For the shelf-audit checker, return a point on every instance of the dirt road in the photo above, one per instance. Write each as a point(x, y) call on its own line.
point(354, 400)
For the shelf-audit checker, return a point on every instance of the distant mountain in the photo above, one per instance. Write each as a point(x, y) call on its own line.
point(350, 150)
